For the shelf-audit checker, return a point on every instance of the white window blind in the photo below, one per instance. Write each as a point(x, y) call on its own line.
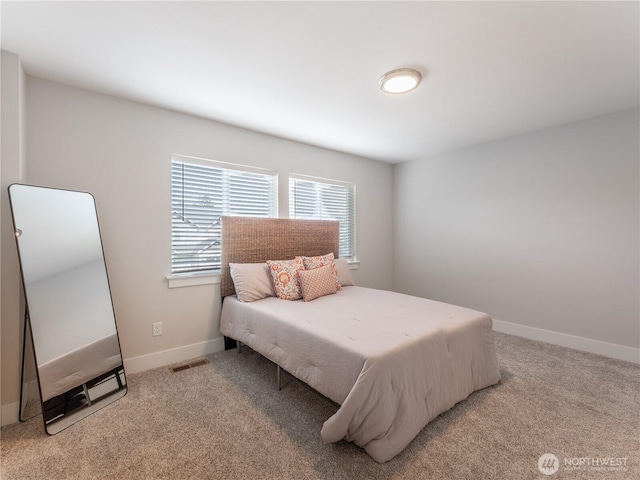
point(315, 198)
point(201, 192)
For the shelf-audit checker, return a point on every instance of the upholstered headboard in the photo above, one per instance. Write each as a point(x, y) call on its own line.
point(255, 240)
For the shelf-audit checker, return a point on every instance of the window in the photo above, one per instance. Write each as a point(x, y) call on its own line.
point(323, 199)
point(201, 192)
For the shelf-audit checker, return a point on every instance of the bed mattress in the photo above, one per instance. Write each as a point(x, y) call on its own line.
point(392, 362)
point(83, 364)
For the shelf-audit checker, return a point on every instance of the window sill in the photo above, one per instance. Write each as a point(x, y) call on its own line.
point(354, 264)
point(192, 279)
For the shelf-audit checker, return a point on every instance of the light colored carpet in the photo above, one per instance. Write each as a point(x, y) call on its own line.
point(226, 420)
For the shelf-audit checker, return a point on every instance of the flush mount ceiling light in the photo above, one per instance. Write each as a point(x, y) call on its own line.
point(401, 80)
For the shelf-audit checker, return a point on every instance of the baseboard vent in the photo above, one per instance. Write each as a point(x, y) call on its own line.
point(187, 366)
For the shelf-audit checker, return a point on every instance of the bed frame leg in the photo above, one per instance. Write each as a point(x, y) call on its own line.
point(86, 393)
point(239, 347)
point(279, 380)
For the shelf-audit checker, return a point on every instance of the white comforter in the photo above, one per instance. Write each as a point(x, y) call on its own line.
point(79, 366)
point(393, 362)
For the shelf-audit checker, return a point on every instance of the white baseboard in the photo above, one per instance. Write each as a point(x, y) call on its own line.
point(611, 350)
point(11, 411)
point(32, 390)
point(174, 355)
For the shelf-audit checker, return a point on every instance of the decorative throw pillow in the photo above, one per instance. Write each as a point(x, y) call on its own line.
point(317, 282)
point(251, 281)
point(311, 263)
point(284, 276)
point(344, 272)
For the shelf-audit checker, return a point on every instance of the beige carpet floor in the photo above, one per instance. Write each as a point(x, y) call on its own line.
point(226, 420)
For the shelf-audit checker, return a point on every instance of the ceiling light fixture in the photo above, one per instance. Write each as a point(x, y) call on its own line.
point(401, 80)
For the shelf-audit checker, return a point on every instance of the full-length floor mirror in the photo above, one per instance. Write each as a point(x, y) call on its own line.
point(68, 301)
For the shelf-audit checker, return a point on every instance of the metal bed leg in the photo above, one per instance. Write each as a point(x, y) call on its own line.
point(86, 393)
point(239, 347)
point(279, 380)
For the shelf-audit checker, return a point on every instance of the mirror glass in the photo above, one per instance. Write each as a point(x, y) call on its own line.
point(73, 329)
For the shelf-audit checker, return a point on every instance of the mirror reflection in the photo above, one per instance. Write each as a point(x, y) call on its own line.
point(75, 340)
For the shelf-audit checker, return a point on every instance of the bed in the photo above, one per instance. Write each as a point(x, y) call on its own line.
point(79, 366)
point(391, 362)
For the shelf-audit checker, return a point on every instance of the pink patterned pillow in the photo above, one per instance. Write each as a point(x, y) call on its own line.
point(284, 275)
point(311, 263)
point(317, 282)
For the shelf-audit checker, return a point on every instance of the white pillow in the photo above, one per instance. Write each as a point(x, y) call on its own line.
point(344, 272)
point(252, 281)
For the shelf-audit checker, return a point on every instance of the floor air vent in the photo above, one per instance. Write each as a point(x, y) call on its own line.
point(197, 363)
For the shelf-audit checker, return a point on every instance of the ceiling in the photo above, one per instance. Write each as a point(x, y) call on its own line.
point(309, 71)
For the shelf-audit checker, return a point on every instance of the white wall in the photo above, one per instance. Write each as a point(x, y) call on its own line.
point(120, 151)
point(11, 170)
point(80, 296)
point(538, 230)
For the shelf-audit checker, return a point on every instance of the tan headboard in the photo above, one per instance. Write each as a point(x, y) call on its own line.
point(255, 240)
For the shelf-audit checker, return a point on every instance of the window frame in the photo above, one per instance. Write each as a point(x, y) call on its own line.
point(353, 259)
point(209, 276)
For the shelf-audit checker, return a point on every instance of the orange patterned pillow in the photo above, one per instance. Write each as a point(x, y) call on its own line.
point(317, 282)
point(311, 263)
point(284, 275)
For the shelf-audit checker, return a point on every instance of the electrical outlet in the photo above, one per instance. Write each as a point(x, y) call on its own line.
point(157, 329)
